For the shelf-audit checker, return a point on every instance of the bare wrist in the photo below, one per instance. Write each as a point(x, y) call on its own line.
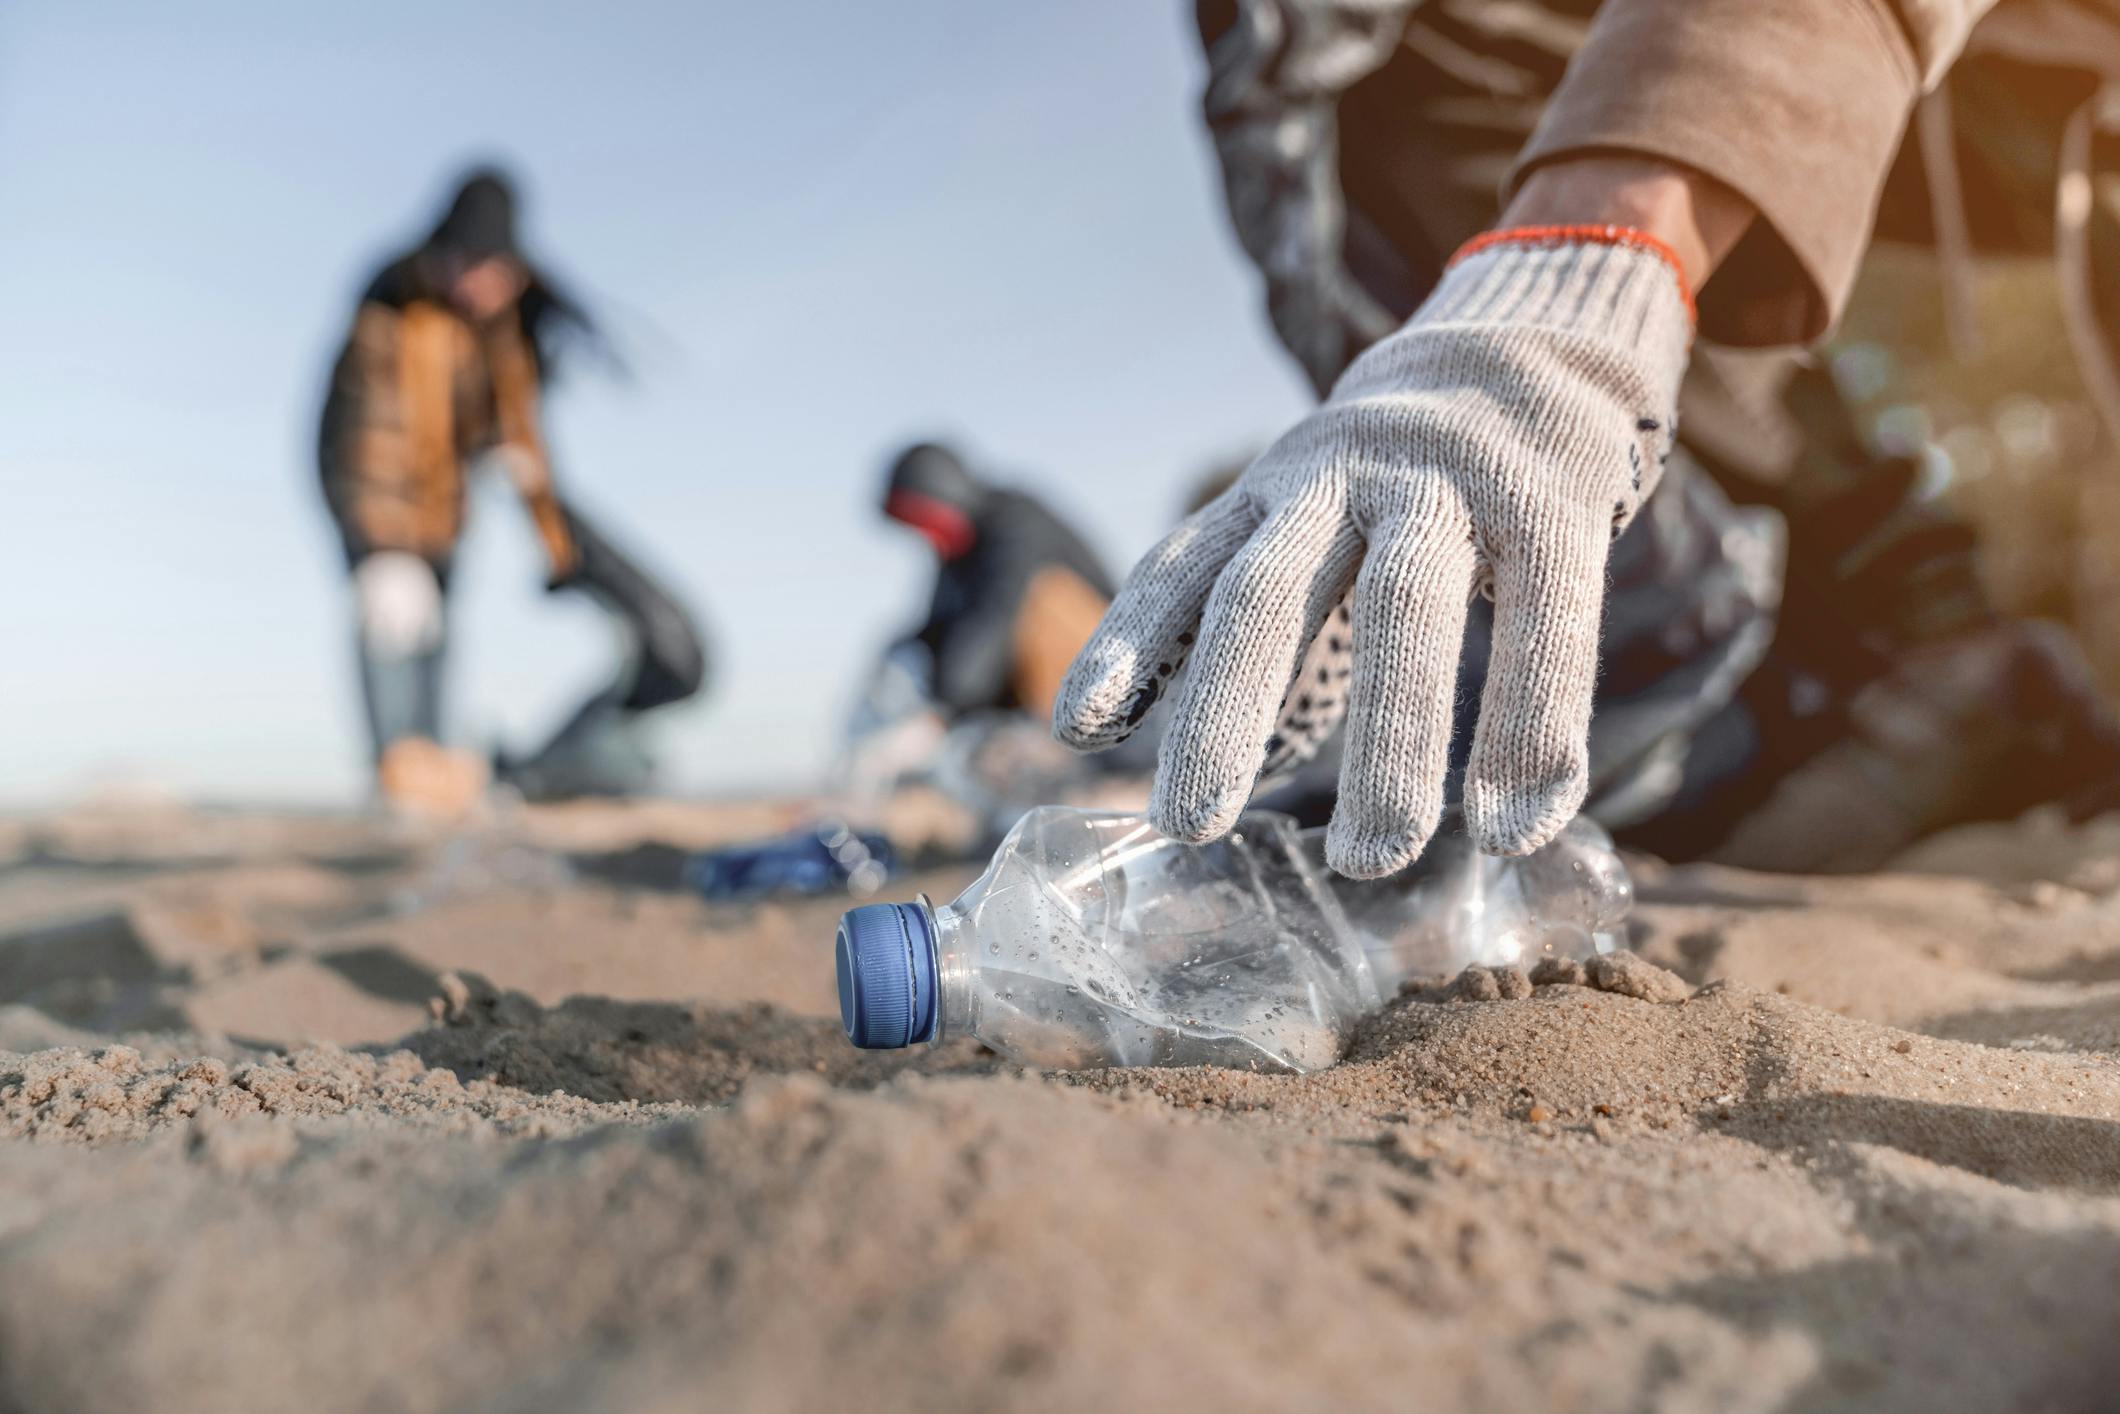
point(1699, 218)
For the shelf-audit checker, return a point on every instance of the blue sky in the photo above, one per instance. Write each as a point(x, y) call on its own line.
point(819, 230)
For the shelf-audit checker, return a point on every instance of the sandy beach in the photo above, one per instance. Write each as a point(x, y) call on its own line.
point(305, 1111)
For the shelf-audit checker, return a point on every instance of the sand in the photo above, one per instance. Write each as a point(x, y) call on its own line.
point(315, 1113)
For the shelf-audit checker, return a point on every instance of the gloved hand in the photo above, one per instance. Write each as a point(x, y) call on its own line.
point(1499, 441)
point(399, 603)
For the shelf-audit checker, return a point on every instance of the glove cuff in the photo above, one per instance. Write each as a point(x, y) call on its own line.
point(1607, 282)
point(1537, 236)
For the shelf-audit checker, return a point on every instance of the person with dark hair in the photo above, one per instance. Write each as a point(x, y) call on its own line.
point(450, 351)
point(1017, 591)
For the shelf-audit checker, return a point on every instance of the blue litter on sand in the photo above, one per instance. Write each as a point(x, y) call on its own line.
point(820, 859)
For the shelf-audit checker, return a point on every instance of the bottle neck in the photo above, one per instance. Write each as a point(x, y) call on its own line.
point(956, 1011)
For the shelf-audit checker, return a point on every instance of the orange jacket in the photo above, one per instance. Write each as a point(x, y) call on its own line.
point(416, 394)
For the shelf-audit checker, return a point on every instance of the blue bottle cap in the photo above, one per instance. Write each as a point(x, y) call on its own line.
point(886, 956)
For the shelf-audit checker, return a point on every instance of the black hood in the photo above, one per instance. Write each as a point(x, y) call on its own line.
point(480, 222)
point(932, 470)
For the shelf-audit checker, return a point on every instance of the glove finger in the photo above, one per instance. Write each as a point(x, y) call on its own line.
point(1146, 633)
point(1317, 697)
point(1263, 611)
point(1530, 764)
point(1410, 605)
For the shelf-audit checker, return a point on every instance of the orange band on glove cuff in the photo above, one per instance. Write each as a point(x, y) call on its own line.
point(1584, 235)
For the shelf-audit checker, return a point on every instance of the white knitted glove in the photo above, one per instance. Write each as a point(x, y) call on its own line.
point(399, 602)
point(1499, 441)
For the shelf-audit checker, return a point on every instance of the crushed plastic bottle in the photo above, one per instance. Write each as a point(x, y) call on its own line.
point(1456, 907)
point(1091, 940)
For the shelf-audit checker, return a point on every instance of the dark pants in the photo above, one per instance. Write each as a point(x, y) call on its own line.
point(402, 694)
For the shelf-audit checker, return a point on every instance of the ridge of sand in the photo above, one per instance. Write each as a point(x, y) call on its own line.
point(112, 1094)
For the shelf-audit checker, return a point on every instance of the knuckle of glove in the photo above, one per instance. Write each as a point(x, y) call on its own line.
point(1189, 806)
point(1370, 856)
point(1094, 708)
point(1515, 817)
point(1364, 842)
point(1109, 690)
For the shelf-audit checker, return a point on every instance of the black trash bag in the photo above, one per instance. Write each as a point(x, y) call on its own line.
point(601, 750)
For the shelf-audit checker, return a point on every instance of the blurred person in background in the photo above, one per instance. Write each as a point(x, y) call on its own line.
point(1482, 228)
point(452, 346)
point(1017, 590)
point(950, 740)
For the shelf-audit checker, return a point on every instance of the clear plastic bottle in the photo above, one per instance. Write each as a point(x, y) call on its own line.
point(1455, 907)
point(1091, 940)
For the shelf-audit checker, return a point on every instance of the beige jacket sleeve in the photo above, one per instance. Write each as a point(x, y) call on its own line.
point(1798, 105)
